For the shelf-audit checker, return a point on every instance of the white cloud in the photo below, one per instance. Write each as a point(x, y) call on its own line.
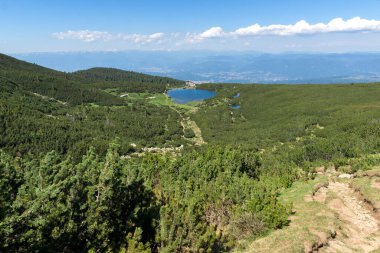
point(85, 35)
point(302, 27)
point(213, 32)
point(90, 36)
point(356, 24)
point(142, 38)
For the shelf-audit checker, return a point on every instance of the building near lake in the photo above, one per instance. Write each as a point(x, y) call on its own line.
point(191, 84)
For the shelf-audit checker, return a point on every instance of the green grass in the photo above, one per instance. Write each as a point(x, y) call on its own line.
point(113, 91)
point(159, 99)
point(164, 100)
point(134, 96)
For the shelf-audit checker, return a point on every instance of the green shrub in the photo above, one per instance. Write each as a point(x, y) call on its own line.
point(189, 133)
point(246, 225)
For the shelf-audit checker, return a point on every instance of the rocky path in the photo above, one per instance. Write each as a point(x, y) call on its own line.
point(360, 230)
point(49, 98)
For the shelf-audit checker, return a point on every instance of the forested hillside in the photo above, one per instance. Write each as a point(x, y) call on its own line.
point(69, 118)
point(84, 168)
point(328, 122)
point(8, 63)
point(83, 86)
point(127, 81)
point(50, 83)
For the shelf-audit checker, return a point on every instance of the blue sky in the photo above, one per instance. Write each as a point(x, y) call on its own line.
point(95, 25)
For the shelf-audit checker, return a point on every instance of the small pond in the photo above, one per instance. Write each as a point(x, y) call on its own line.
point(236, 95)
point(184, 96)
point(235, 106)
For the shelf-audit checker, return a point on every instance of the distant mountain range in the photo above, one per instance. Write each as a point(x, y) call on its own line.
point(241, 67)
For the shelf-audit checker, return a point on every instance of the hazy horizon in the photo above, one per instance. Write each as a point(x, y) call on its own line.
point(226, 66)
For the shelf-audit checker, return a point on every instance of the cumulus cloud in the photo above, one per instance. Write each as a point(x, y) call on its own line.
point(356, 24)
point(213, 32)
point(90, 36)
point(302, 27)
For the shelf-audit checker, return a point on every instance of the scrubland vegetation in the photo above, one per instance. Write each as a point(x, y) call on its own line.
point(74, 176)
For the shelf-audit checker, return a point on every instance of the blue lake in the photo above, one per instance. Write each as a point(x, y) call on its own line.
point(184, 96)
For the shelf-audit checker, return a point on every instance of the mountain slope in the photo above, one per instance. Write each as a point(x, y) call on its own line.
point(85, 86)
point(43, 110)
point(110, 78)
point(8, 63)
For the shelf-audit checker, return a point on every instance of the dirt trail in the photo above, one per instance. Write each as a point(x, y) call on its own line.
point(188, 123)
point(49, 98)
point(360, 230)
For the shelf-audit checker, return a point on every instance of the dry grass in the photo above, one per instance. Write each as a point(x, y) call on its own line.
point(369, 187)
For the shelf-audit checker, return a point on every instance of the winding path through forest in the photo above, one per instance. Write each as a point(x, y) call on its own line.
point(187, 123)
